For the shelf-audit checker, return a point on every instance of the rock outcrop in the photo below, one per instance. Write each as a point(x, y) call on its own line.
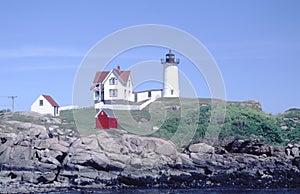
point(39, 158)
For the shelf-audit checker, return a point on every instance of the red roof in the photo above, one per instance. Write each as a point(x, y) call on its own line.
point(50, 100)
point(101, 75)
point(125, 75)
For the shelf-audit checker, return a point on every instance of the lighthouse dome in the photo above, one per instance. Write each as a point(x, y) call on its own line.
point(170, 57)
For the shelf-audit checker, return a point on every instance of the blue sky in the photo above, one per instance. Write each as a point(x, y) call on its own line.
point(256, 44)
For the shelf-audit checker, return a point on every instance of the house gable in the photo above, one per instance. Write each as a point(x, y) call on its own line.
point(102, 76)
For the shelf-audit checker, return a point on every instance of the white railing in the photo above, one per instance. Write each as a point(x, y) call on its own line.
point(123, 106)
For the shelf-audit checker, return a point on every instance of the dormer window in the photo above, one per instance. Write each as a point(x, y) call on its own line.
point(113, 81)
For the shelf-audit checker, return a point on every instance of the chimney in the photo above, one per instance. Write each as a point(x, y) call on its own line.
point(119, 68)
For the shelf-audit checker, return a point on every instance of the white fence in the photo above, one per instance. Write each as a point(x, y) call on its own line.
point(124, 107)
point(71, 107)
point(117, 106)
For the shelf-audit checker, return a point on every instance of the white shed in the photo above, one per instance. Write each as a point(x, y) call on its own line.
point(45, 104)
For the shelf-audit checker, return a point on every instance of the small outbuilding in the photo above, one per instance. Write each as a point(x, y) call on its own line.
point(105, 119)
point(45, 104)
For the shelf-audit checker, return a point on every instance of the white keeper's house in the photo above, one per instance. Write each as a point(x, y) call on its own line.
point(113, 86)
point(116, 86)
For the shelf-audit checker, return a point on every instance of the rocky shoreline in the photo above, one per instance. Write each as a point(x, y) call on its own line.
point(36, 158)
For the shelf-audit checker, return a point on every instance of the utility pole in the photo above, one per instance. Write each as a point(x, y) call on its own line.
point(13, 102)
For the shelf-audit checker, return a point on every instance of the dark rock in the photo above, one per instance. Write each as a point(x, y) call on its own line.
point(296, 162)
point(3, 140)
point(249, 147)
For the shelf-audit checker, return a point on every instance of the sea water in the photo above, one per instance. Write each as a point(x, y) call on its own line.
point(189, 191)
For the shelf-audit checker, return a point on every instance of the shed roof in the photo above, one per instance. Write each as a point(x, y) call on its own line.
point(50, 100)
point(108, 112)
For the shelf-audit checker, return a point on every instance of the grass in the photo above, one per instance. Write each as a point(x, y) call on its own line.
point(81, 119)
point(184, 120)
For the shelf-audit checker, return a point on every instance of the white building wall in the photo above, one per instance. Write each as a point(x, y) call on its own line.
point(156, 94)
point(144, 95)
point(47, 108)
point(171, 84)
point(129, 89)
point(141, 96)
point(124, 90)
point(108, 87)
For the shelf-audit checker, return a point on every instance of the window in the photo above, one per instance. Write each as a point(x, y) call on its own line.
point(113, 81)
point(97, 94)
point(149, 94)
point(124, 93)
point(172, 92)
point(135, 97)
point(113, 92)
point(41, 103)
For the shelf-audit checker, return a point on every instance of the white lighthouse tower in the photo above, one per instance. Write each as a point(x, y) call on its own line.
point(171, 83)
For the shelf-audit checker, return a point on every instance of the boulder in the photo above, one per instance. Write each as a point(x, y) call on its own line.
point(5, 153)
point(51, 160)
point(20, 138)
point(165, 149)
point(38, 177)
point(295, 151)
point(20, 153)
point(201, 148)
point(101, 161)
point(45, 143)
point(249, 147)
point(186, 160)
point(200, 159)
point(136, 163)
point(36, 130)
point(118, 157)
point(149, 145)
point(59, 147)
point(109, 144)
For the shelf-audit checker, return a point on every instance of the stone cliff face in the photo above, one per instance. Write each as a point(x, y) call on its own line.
point(39, 158)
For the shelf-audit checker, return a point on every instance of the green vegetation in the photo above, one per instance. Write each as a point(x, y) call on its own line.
point(290, 122)
point(184, 120)
point(5, 110)
point(243, 121)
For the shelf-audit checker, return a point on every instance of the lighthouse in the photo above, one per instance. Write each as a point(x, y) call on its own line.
point(171, 83)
